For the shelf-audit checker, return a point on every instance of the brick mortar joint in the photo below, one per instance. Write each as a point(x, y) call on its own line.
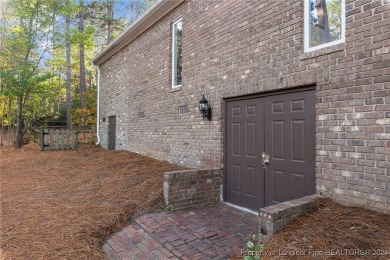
point(275, 217)
point(192, 188)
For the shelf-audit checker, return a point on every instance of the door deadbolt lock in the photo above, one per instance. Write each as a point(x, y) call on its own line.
point(265, 159)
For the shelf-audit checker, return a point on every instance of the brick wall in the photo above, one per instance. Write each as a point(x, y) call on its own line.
point(274, 218)
point(239, 47)
point(192, 188)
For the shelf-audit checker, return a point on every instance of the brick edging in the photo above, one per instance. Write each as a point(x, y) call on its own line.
point(275, 217)
point(192, 188)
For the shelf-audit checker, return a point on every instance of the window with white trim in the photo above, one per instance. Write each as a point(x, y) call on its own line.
point(324, 23)
point(177, 30)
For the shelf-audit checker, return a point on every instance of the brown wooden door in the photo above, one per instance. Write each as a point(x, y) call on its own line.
point(244, 145)
point(290, 144)
point(111, 132)
point(282, 126)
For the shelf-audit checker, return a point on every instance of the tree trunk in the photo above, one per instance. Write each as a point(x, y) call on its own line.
point(322, 12)
point(82, 63)
point(68, 87)
point(2, 123)
point(9, 122)
point(19, 120)
point(110, 20)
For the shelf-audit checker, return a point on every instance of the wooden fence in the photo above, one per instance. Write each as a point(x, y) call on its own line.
point(86, 134)
point(60, 138)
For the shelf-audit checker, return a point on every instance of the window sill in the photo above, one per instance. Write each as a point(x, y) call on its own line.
point(323, 51)
point(174, 89)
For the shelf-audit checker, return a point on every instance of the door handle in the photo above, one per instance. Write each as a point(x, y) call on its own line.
point(265, 159)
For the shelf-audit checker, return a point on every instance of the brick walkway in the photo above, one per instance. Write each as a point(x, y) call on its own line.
point(214, 232)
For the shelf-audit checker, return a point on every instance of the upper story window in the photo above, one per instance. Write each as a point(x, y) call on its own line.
point(324, 23)
point(177, 30)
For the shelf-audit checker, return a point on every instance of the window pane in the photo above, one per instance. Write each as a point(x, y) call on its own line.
point(325, 21)
point(178, 52)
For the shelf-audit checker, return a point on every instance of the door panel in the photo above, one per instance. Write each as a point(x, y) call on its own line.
point(244, 144)
point(277, 183)
point(111, 132)
point(290, 142)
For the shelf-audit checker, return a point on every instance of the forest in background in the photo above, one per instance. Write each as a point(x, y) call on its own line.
point(46, 48)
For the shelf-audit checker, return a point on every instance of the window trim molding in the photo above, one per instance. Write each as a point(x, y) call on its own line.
point(173, 56)
point(306, 33)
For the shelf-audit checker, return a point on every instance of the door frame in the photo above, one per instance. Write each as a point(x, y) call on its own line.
point(109, 133)
point(250, 96)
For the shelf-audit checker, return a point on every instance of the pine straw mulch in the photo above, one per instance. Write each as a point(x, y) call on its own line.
point(63, 204)
point(335, 229)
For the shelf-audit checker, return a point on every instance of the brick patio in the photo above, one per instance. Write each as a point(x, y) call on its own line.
point(216, 232)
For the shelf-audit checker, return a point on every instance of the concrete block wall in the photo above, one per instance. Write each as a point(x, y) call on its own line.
point(239, 47)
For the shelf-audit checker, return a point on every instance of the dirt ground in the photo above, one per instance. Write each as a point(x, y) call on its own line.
point(63, 204)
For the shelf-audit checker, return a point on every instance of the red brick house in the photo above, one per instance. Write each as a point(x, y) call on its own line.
point(298, 90)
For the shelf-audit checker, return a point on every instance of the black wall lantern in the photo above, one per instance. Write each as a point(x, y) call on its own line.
point(204, 108)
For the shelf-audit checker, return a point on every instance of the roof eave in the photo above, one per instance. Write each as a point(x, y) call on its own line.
point(145, 21)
